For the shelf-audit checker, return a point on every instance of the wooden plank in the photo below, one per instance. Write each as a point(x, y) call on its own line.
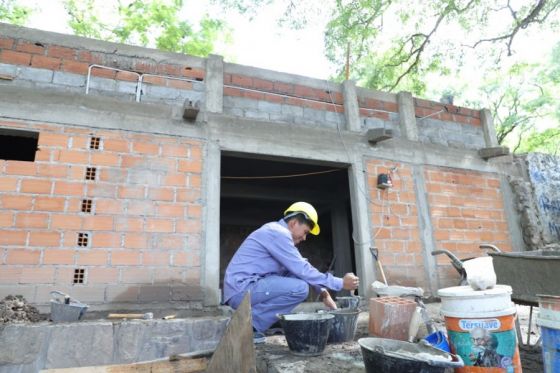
point(186, 365)
point(236, 352)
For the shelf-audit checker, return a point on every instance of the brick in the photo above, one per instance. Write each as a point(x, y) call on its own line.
point(159, 225)
point(105, 159)
point(155, 258)
point(92, 257)
point(102, 190)
point(187, 259)
point(145, 148)
point(172, 150)
point(6, 219)
point(72, 189)
point(32, 220)
point(142, 208)
point(125, 257)
point(10, 275)
point(178, 179)
point(161, 194)
point(103, 275)
point(98, 223)
point(52, 256)
point(114, 145)
point(167, 69)
point(108, 206)
point(52, 170)
point(136, 241)
point(194, 166)
point(66, 222)
point(73, 156)
point(8, 184)
point(17, 202)
point(27, 47)
point(44, 62)
point(20, 168)
point(36, 186)
point(171, 210)
point(74, 67)
point(49, 204)
point(81, 142)
point(44, 239)
point(170, 242)
point(156, 80)
point(136, 276)
point(188, 226)
point(53, 140)
point(126, 76)
point(188, 195)
point(103, 73)
point(6, 43)
point(37, 275)
point(195, 181)
point(15, 58)
point(89, 57)
point(129, 224)
point(179, 84)
point(17, 256)
point(137, 192)
point(170, 275)
point(196, 153)
point(109, 240)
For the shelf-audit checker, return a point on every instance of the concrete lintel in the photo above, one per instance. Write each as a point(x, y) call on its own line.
point(211, 269)
point(407, 117)
point(214, 84)
point(376, 135)
point(351, 109)
point(488, 128)
point(493, 152)
point(426, 230)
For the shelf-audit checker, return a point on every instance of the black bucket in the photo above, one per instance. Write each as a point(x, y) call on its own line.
point(306, 333)
point(348, 302)
point(344, 325)
point(391, 356)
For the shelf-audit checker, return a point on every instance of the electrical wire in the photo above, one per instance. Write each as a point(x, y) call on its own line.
point(280, 176)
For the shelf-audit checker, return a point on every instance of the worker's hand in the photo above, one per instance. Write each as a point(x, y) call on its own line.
point(350, 281)
point(327, 300)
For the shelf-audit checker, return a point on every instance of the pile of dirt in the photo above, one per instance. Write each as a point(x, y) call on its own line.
point(15, 309)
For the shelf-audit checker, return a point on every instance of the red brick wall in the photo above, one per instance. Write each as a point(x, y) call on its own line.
point(449, 113)
point(466, 210)
point(394, 223)
point(144, 230)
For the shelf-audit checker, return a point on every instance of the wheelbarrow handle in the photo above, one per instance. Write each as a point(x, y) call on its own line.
point(487, 246)
point(457, 263)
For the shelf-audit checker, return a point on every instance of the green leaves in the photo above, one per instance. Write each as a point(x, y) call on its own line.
point(12, 13)
point(153, 23)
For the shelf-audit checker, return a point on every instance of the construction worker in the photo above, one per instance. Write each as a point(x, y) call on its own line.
point(270, 267)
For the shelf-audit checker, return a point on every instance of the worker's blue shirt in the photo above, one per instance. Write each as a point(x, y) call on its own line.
point(270, 250)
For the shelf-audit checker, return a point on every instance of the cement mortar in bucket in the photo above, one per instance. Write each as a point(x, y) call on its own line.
point(66, 309)
point(481, 328)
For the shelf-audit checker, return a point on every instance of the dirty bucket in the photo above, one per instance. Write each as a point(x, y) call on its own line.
point(481, 328)
point(348, 302)
point(549, 321)
point(65, 312)
point(306, 333)
point(343, 326)
point(383, 355)
point(438, 340)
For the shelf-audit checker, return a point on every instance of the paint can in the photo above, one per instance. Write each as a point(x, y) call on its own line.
point(549, 321)
point(481, 328)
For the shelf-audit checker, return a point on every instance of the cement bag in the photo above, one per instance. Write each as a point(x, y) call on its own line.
point(480, 273)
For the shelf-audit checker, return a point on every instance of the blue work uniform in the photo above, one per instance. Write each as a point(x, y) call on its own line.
point(270, 266)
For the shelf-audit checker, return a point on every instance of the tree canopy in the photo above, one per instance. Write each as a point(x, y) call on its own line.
point(12, 13)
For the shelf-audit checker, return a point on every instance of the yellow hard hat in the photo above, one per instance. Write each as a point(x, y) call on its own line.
point(309, 212)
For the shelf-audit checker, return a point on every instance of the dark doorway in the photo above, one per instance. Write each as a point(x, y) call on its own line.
point(255, 191)
point(18, 145)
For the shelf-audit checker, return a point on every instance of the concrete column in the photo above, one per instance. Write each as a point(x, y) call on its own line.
point(426, 230)
point(214, 84)
point(512, 217)
point(351, 109)
point(211, 261)
point(341, 240)
point(407, 117)
point(488, 128)
point(361, 227)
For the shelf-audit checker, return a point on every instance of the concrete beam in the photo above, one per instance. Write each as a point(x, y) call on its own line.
point(488, 128)
point(351, 109)
point(407, 117)
point(214, 88)
point(493, 152)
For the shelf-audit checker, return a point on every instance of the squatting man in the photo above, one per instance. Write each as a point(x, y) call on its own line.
point(271, 268)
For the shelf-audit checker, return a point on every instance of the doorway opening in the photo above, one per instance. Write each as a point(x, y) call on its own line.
point(256, 190)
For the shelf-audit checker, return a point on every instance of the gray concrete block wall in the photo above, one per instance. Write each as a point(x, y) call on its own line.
point(454, 135)
point(373, 122)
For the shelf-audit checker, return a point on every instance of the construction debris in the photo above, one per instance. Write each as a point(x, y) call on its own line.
point(15, 309)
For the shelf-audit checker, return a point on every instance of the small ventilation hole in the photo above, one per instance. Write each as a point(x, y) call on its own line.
point(86, 205)
point(79, 275)
point(94, 142)
point(83, 239)
point(90, 173)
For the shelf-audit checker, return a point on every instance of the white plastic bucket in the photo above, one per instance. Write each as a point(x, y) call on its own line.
point(481, 328)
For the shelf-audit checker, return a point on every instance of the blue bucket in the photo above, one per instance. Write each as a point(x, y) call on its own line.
point(438, 340)
point(549, 321)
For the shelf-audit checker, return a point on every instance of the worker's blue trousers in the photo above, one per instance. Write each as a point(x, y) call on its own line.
point(270, 296)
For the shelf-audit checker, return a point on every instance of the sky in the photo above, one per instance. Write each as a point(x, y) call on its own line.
point(257, 43)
